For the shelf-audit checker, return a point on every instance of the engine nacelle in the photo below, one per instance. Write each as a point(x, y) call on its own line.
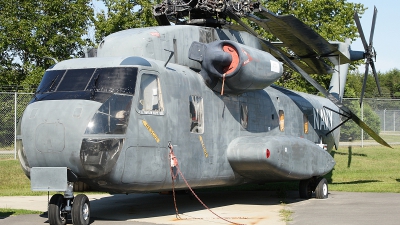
point(241, 67)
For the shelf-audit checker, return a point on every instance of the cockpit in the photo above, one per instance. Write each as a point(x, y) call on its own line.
point(113, 87)
point(96, 84)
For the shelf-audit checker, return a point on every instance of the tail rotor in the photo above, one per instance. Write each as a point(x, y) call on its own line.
point(369, 52)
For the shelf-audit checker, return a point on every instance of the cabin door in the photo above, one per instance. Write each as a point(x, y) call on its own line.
point(147, 161)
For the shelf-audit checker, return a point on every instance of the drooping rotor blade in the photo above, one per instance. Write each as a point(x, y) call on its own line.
point(371, 35)
point(280, 28)
point(364, 82)
point(290, 63)
point(360, 30)
point(369, 131)
point(321, 89)
point(376, 76)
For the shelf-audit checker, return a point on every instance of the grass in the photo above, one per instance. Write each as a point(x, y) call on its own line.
point(368, 169)
point(13, 181)
point(285, 213)
point(388, 136)
point(5, 212)
point(6, 154)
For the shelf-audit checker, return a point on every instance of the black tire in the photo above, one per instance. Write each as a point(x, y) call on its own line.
point(305, 189)
point(56, 208)
point(81, 210)
point(321, 191)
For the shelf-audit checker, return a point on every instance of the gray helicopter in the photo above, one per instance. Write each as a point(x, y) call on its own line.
point(193, 101)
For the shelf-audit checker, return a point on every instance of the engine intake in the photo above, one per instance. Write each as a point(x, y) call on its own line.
point(243, 68)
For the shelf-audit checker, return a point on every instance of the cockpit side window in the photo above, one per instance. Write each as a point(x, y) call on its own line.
point(196, 114)
point(150, 95)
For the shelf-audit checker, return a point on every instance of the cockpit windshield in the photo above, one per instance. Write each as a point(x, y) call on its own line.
point(90, 84)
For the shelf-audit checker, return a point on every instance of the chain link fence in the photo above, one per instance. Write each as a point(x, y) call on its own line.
point(385, 111)
point(12, 105)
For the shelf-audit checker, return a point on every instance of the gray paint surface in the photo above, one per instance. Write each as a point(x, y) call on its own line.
point(53, 130)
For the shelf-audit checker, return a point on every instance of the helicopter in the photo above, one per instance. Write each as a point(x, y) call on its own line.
point(192, 100)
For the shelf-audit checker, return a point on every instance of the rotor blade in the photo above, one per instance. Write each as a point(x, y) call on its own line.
point(376, 76)
point(289, 62)
point(364, 82)
point(332, 98)
point(367, 129)
point(360, 31)
point(371, 35)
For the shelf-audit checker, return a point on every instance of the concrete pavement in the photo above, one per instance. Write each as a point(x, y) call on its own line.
point(238, 207)
point(344, 208)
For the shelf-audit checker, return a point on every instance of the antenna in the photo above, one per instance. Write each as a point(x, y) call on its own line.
point(171, 53)
point(48, 57)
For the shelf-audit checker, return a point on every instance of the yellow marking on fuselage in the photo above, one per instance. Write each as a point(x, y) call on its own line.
point(204, 147)
point(151, 130)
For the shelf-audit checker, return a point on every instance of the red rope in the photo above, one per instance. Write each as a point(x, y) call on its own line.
point(223, 83)
point(174, 162)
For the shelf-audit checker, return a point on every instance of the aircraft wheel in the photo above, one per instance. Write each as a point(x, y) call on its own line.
point(57, 215)
point(81, 210)
point(305, 189)
point(321, 191)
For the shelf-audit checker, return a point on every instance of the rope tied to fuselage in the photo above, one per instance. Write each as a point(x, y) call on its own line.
point(174, 176)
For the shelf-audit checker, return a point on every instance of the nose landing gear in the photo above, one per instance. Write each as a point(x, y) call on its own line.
point(60, 208)
point(61, 179)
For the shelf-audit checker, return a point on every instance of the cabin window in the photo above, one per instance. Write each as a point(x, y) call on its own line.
point(244, 115)
point(305, 122)
point(150, 98)
point(281, 120)
point(196, 114)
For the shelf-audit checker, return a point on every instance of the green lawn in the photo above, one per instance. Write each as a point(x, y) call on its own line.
point(368, 169)
point(13, 181)
point(4, 213)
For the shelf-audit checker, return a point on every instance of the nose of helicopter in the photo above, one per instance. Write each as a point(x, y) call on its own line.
point(51, 133)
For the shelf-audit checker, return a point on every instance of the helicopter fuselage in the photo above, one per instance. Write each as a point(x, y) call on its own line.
point(110, 120)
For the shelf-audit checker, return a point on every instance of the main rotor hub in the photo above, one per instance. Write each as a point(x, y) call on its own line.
point(203, 12)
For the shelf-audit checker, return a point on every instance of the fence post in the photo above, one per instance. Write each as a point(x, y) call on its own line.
point(15, 125)
point(384, 120)
point(362, 131)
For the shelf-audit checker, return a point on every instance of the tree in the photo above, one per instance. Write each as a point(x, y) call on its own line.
point(31, 32)
point(351, 129)
point(332, 19)
point(122, 15)
point(391, 80)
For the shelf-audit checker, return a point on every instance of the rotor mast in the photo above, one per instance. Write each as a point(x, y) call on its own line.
point(211, 13)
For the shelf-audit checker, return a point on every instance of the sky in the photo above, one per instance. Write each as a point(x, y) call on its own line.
point(386, 36)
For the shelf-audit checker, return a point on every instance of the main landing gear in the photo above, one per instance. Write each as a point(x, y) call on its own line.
point(60, 206)
point(319, 185)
